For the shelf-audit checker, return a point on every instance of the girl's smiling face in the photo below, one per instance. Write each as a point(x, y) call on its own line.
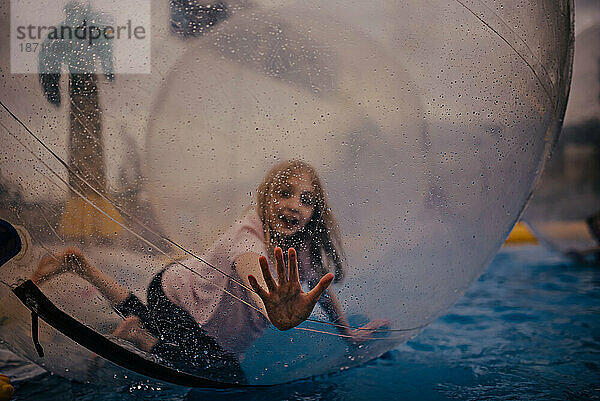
point(291, 204)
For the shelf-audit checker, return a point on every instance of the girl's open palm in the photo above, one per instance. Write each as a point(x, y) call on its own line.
point(286, 304)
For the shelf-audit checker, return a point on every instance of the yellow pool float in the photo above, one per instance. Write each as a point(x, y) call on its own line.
point(521, 235)
point(6, 389)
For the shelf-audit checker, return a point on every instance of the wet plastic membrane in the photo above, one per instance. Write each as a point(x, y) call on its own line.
point(427, 125)
point(565, 209)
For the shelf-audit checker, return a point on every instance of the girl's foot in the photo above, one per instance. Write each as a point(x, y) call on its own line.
point(131, 329)
point(71, 260)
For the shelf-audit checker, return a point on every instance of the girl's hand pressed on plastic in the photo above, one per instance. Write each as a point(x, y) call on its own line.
point(286, 304)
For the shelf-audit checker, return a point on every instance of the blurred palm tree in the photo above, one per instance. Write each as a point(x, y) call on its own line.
point(86, 160)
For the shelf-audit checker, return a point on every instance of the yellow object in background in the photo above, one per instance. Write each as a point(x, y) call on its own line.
point(6, 390)
point(81, 219)
point(520, 235)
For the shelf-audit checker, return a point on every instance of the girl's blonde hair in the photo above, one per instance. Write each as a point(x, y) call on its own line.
point(322, 230)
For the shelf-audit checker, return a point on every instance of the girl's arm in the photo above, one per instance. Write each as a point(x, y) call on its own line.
point(331, 305)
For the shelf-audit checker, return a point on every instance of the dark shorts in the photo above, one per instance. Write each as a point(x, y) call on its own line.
point(182, 343)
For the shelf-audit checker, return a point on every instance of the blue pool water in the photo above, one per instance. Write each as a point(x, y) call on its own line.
point(529, 328)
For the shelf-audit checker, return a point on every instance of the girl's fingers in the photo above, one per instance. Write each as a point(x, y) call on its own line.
point(293, 265)
point(375, 324)
point(256, 287)
point(264, 266)
point(280, 265)
point(316, 292)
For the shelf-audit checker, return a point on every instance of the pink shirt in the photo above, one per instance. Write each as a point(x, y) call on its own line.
point(205, 292)
point(214, 300)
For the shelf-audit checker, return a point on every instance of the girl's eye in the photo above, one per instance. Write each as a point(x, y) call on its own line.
point(306, 199)
point(285, 193)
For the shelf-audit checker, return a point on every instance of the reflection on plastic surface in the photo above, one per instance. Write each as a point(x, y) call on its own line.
point(423, 125)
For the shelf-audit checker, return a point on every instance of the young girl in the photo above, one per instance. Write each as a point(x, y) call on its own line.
point(203, 320)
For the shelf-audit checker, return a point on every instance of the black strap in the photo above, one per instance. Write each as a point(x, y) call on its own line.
point(34, 334)
point(40, 305)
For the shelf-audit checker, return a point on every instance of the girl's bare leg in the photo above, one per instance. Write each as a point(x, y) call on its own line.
point(114, 292)
point(73, 261)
